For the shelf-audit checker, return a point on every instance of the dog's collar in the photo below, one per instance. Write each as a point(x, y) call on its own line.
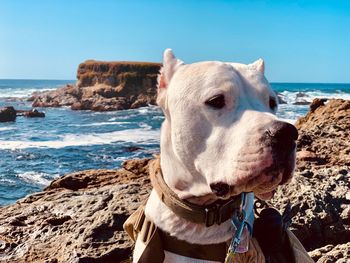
point(216, 213)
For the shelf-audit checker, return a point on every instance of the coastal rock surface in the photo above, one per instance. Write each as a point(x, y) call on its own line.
point(79, 217)
point(105, 86)
point(321, 184)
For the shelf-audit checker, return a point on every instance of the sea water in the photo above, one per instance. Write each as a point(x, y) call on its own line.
point(35, 151)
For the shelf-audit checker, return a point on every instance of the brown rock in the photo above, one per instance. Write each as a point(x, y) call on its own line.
point(309, 156)
point(331, 253)
point(316, 103)
point(324, 131)
point(321, 182)
point(106, 86)
point(7, 114)
point(34, 113)
point(78, 218)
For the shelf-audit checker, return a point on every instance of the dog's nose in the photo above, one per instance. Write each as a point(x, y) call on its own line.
point(283, 136)
point(220, 189)
point(284, 130)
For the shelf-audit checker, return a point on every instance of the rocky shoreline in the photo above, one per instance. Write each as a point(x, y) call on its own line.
point(79, 217)
point(105, 86)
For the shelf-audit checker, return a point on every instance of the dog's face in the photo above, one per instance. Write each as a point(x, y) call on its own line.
point(221, 128)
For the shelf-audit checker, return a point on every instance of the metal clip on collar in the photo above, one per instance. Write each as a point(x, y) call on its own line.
point(239, 223)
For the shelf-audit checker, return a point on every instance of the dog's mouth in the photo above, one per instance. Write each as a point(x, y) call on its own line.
point(263, 182)
point(279, 174)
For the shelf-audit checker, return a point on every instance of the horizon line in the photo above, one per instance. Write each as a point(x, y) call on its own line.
point(275, 82)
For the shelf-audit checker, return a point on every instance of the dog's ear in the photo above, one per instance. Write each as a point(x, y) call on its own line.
point(258, 65)
point(170, 65)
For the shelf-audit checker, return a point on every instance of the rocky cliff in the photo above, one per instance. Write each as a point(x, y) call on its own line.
point(105, 86)
point(79, 217)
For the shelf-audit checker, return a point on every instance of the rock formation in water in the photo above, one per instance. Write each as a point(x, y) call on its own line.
point(79, 217)
point(9, 114)
point(105, 86)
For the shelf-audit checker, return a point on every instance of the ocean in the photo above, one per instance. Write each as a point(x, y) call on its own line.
point(35, 151)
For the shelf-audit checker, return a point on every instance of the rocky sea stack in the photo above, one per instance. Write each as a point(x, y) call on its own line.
point(79, 217)
point(105, 86)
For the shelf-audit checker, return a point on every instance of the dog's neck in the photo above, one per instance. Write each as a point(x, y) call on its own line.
point(168, 221)
point(176, 226)
point(185, 181)
point(180, 180)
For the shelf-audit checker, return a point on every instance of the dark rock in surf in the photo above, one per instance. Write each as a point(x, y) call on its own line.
point(301, 95)
point(34, 113)
point(7, 114)
point(301, 102)
point(280, 98)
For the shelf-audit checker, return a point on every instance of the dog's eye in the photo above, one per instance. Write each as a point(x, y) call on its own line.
point(272, 103)
point(217, 101)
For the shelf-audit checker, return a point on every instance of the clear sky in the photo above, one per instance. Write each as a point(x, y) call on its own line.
point(300, 41)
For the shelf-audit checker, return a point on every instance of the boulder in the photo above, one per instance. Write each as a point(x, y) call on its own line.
point(325, 132)
point(301, 102)
point(301, 95)
point(7, 114)
point(281, 98)
point(34, 114)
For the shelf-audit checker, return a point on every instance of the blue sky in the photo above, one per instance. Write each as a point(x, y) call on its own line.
point(300, 41)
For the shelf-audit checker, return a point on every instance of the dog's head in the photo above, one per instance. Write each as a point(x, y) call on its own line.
point(221, 136)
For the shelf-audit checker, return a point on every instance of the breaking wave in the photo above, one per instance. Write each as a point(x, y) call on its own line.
point(31, 177)
point(132, 135)
point(292, 96)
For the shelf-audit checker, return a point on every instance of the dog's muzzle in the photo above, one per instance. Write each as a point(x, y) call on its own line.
point(281, 137)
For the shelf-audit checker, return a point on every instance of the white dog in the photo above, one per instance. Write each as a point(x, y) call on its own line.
point(220, 138)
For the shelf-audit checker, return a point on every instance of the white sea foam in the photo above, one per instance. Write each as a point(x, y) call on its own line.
point(145, 126)
point(148, 109)
point(291, 96)
point(100, 124)
point(131, 135)
point(20, 93)
point(7, 181)
point(6, 128)
point(36, 178)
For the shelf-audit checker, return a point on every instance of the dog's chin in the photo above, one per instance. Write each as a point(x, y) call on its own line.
point(265, 182)
point(280, 174)
point(266, 196)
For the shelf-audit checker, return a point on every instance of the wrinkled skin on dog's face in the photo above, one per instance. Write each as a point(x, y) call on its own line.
point(221, 136)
